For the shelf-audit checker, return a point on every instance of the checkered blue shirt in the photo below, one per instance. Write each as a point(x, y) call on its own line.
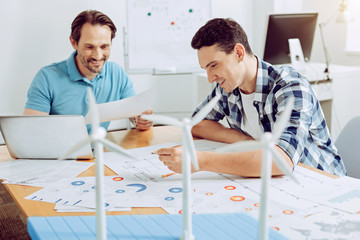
point(306, 139)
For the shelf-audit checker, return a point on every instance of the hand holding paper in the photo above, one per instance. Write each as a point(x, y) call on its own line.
point(125, 108)
point(143, 124)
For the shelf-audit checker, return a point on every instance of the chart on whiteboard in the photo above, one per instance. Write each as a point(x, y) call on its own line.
point(159, 34)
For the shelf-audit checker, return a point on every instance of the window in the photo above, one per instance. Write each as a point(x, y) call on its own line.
point(353, 33)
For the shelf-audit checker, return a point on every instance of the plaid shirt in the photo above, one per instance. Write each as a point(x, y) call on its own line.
point(306, 138)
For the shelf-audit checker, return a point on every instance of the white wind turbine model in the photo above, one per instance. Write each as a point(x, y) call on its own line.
point(97, 137)
point(267, 143)
point(189, 154)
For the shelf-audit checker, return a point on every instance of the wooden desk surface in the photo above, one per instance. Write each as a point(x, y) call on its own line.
point(127, 139)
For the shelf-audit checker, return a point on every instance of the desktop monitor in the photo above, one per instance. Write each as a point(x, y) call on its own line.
point(282, 27)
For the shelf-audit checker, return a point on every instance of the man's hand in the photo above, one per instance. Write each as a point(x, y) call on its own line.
point(143, 124)
point(172, 158)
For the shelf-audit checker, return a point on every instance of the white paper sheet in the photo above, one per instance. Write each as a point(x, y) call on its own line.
point(125, 108)
point(80, 191)
point(65, 208)
point(40, 172)
point(291, 209)
point(297, 211)
point(149, 168)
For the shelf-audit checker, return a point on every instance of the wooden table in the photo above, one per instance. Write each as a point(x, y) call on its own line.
point(127, 139)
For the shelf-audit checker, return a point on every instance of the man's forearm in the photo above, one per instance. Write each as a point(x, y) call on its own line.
point(245, 164)
point(29, 111)
point(215, 131)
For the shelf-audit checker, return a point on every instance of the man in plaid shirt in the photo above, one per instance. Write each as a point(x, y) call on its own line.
point(254, 94)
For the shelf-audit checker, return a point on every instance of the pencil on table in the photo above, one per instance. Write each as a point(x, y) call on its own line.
point(168, 174)
point(156, 152)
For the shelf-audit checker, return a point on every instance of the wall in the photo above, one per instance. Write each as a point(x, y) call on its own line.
point(37, 34)
point(334, 34)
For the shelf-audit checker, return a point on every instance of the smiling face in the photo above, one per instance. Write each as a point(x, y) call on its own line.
point(93, 49)
point(222, 68)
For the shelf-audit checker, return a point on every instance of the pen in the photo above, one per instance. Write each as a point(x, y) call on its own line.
point(168, 174)
point(156, 152)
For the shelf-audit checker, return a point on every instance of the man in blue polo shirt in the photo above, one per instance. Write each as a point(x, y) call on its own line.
point(61, 88)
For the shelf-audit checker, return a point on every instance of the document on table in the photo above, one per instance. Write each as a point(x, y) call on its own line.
point(342, 193)
point(314, 208)
point(65, 208)
point(148, 167)
point(124, 108)
point(40, 172)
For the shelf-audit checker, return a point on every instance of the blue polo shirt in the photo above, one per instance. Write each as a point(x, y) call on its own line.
point(60, 89)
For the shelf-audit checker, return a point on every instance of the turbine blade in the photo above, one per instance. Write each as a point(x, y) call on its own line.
point(75, 148)
point(281, 163)
point(162, 119)
point(93, 111)
point(191, 149)
point(116, 148)
point(244, 146)
point(205, 110)
point(284, 117)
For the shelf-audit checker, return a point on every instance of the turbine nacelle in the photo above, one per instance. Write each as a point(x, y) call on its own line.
point(99, 133)
point(186, 125)
point(187, 121)
point(189, 152)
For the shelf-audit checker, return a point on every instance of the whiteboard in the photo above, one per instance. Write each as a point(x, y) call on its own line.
point(158, 35)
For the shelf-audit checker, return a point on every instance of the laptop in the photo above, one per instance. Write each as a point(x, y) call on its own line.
point(45, 137)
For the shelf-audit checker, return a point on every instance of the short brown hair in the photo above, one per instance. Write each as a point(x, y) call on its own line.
point(225, 33)
point(93, 17)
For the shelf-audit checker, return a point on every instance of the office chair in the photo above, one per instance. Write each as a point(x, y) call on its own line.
point(348, 144)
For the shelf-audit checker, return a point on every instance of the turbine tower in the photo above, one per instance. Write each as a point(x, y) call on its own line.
point(97, 137)
point(267, 144)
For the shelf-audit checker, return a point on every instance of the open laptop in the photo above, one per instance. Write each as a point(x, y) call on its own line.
point(45, 137)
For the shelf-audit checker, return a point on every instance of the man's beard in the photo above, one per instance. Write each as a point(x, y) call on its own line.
point(87, 62)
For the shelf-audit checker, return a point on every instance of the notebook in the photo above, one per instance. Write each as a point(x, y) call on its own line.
point(45, 137)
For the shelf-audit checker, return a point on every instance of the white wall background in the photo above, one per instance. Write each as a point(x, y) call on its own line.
point(334, 33)
point(36, 33)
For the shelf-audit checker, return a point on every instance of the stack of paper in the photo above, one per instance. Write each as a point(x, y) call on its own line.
point(40, 173)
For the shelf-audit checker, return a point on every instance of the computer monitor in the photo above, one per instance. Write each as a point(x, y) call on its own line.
point(282, 27)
